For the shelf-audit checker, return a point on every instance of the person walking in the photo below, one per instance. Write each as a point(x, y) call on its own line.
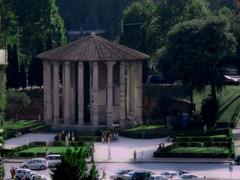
point(12, 172)
point(109, 153)
point(135, 155)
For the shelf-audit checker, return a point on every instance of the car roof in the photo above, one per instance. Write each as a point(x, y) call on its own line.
point(23, 169)
point(53, 155)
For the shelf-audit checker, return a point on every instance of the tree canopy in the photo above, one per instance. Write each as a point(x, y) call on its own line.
point(26, 28)
point(74, 166)
point(195, 52)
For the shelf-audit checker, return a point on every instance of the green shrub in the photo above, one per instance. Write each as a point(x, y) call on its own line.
point(26, 154)
point(58, 143)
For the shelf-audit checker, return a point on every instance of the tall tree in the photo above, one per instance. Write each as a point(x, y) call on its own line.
point(12, 70)
point(195, 52)
point(73, 166)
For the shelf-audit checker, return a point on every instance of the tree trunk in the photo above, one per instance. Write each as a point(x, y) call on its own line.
point(213, 91)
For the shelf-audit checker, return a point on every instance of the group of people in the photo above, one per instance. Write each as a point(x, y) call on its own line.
point(62, 136)
point(109, 136)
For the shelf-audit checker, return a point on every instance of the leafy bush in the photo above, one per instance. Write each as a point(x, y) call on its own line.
point(58, 143)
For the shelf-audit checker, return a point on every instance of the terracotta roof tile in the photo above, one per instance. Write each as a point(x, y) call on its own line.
point(92, 48)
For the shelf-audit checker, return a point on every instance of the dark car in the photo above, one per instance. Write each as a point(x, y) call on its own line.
point(143, 175)
point(237, 159)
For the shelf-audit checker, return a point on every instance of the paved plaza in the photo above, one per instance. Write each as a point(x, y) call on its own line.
point(28, 138)
point(121, 157)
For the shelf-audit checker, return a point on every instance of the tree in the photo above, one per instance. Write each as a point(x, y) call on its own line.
point(74, 166)
point(169, 13)
point(16, 102)
point(12, 70)
point(93, 173)
point(209, 111)
point(195, 52)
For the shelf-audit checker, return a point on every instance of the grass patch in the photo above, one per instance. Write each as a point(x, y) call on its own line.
point(229, 102)
point(200, 150)
point(145, 128)
point(20, 124)
point(51, 150)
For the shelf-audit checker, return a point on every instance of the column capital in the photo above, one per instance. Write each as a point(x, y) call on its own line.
point(111, 63)
point(56, 62)
point(67, 63)
point(46, 62)
point(80, 64)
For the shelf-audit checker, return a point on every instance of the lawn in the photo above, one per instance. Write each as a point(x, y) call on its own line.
point(51, 150)
point(20, 124)
point(145, 128)
point(200, 150)
point(229, 102)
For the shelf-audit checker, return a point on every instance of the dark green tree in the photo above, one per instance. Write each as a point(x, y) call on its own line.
point(209, 111)
point(12, 70)
point(93, 173)
point(73, 165)
point(195, 51)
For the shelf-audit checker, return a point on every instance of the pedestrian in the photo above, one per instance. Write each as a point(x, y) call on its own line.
point(109, 153)
point(142, 154)
point(104, 175)
point(46, 152)
point(12, 172)
point(135, 155)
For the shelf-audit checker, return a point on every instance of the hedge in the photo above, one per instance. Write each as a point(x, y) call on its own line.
point(190, 155)
point(202, 138)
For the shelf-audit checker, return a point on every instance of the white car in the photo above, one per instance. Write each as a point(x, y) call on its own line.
point(188, 176)
point(53, 160)
point(119, 174)
point(128, 176)
point(21, 173)
point(158, 177)
point(39, 177)
point(169, 174)
point(36, 163)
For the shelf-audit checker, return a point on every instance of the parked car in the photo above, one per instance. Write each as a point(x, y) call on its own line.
point(53, 160)
point(36, 163)
point(188, 176)
point(119, 174)
point(158, 177)
point(142, 175)
point(169, 174)
point(128, 176)
point(237, 159)
point(21, 173)
point(39, 177)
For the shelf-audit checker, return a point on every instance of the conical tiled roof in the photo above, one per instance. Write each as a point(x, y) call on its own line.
point(92, 48)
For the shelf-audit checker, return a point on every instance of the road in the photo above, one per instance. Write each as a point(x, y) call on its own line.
point(218, 171)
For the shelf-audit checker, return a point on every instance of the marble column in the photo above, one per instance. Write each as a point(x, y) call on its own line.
point(73, 93)
point(95, 111)
point(67, 93)
point(139, 93)
point(122, 93)
point(47, 83)
point(80, 93)
point(132, 89)
point(110, 93)
point(56, 98)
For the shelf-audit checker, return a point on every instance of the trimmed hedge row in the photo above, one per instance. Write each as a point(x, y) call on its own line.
point(143, 135)
point(203, 144)
point(191, 155)
point(201, 139)
point(208, 133)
